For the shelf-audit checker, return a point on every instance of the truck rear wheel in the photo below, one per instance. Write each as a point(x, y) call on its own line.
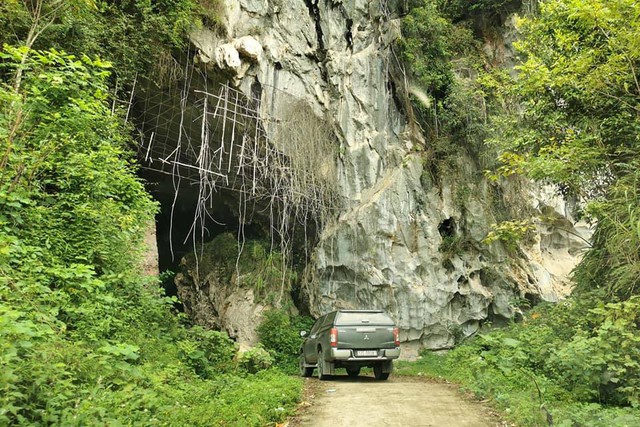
point(379, 373)
point(304, 370)
point(321, 364)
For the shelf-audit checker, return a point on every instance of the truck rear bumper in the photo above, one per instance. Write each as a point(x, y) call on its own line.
point(351, 355)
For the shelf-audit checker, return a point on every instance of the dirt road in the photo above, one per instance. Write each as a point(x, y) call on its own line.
point(399, 401)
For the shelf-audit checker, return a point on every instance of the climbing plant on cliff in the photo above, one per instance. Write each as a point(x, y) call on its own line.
point(429, 44)
point(454, 84)
point(579, 125)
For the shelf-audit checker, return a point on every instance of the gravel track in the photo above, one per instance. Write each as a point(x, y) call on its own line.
point(399, 401)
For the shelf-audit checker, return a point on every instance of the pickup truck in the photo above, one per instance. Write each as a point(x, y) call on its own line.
point(350, 339)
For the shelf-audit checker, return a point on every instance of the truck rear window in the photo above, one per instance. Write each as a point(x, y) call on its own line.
point(344, 319)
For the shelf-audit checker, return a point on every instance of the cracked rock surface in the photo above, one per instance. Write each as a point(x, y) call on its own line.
point(406, 241)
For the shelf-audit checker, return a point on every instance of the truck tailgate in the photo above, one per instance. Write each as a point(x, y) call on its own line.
point(363, 337)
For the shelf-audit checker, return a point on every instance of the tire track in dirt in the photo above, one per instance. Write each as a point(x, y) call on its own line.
point(398, 402)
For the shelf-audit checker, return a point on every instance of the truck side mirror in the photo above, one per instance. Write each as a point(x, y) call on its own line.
point(303, 334)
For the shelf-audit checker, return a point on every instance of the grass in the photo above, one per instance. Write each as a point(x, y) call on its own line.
point(263, 399)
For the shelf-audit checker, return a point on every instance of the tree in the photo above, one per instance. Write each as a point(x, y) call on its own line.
point(579, 122)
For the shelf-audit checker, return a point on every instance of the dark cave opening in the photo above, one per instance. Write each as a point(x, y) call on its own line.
point(175, 222)
point(447, 228)
point(172, 133)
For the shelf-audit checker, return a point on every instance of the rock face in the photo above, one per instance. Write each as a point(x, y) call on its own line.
point(218, 302)
point(407, 240)
point(150, 258)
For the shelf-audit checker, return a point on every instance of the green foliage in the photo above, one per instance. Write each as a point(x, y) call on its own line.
point(255, 359)
point(71, 224)
point(578, 360)
point(613, 264)
point(602, 363)
point(208, 353)
point(578, 125)
point(452, 246)
point(253, 401)
point(570, 118)
point(451, 91)
point(133, 34)
point(427, 45)
point(211, 12)
point(441, 58)
point(579, 91)
point(464, 9)
point(84, 338)
point(252, 264)
point(510, 233)
point(279, 333)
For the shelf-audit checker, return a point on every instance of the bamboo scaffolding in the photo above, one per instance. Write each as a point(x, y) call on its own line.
point(276, 165)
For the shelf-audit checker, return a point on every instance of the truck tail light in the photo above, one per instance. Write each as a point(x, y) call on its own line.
point(333, 337)
point(396, 336)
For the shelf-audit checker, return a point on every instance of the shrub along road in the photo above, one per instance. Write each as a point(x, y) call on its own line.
point(400, 401)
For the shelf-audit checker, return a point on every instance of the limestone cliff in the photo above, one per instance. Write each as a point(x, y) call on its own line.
point(405, 240)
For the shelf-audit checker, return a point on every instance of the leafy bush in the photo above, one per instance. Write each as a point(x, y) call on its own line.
point(207, 352)
point(279, 333)
point(613, 264)
point(428, 46)
point(510, 233)
point(578, 360)
point(452, 93)
point(255, 359)
point(601, 363)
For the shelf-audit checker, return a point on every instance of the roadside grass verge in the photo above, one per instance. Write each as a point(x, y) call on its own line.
point(515, 396)
point(255, 400)
point(569, 365)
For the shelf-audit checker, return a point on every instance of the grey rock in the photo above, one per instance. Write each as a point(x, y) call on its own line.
point(227, 57)
point(217, 304)
point(248, 47)
point(407, 241)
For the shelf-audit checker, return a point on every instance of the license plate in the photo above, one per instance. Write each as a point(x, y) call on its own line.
point(367, 352)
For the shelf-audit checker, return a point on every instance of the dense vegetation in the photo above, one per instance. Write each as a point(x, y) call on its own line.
point(579, 126)
point(85, 338)
point(569, 118)
point(574, 364)
point(250, 264)
point(279, 334)
point(269, 276)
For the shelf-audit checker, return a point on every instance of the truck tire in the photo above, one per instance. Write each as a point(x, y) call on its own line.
point(378, 372)
point(321, 366)
point(304, 370)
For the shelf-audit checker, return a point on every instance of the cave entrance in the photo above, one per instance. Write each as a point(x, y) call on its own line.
point(177, 220)
point(233, 162)
point(199, 139)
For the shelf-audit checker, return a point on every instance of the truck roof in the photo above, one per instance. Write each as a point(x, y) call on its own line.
point(357, 317)
point(361, 311)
